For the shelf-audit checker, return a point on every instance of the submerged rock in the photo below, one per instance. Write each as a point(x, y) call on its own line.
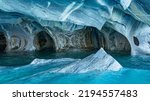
point(101, 61)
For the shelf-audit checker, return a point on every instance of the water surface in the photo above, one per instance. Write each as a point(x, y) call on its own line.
point(16, 68)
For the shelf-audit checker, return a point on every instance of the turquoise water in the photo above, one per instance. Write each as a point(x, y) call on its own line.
point(16, 68)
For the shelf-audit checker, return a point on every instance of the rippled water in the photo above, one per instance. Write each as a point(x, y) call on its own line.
point(16, 68)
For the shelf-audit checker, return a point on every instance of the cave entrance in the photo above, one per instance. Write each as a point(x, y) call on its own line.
point(115, 42)
point(3, 42)
point(43, 41)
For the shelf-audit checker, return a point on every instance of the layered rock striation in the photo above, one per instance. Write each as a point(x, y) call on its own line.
point(115, 25)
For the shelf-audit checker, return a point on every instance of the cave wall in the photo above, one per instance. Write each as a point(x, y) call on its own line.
point(28, 35)
point(130, 18)
point(69, 28)
point(115, 42)
point(131, 29)
point(16, 38)
point(79, 39)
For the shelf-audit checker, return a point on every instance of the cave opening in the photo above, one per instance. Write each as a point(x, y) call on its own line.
point(136, 41)
point(91, 38)
point(43, 41)
point(3, 42)
point(114, 42)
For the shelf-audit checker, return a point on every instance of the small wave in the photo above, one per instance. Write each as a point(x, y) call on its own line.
point(44, 61)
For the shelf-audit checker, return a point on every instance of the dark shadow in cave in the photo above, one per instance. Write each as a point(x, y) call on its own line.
point(136, 41)
point(107, 38)
point(3, 42)
point(120, 43)
point(115, 42)
point(43, 41)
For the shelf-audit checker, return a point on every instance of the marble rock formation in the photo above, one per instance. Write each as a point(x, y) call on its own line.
point(100, 61)
point(65, 24)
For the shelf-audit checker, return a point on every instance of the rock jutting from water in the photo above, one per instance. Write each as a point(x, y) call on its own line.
point(100, 61)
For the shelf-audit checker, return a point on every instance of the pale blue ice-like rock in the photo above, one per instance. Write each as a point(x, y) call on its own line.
point(100, 61)
point(128, 17)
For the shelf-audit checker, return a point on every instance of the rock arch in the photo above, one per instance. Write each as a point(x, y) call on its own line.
point(43, 41)
point(115, 42)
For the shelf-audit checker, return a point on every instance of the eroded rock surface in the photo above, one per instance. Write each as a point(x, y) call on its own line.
point(65, 21)
point(100, 61)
